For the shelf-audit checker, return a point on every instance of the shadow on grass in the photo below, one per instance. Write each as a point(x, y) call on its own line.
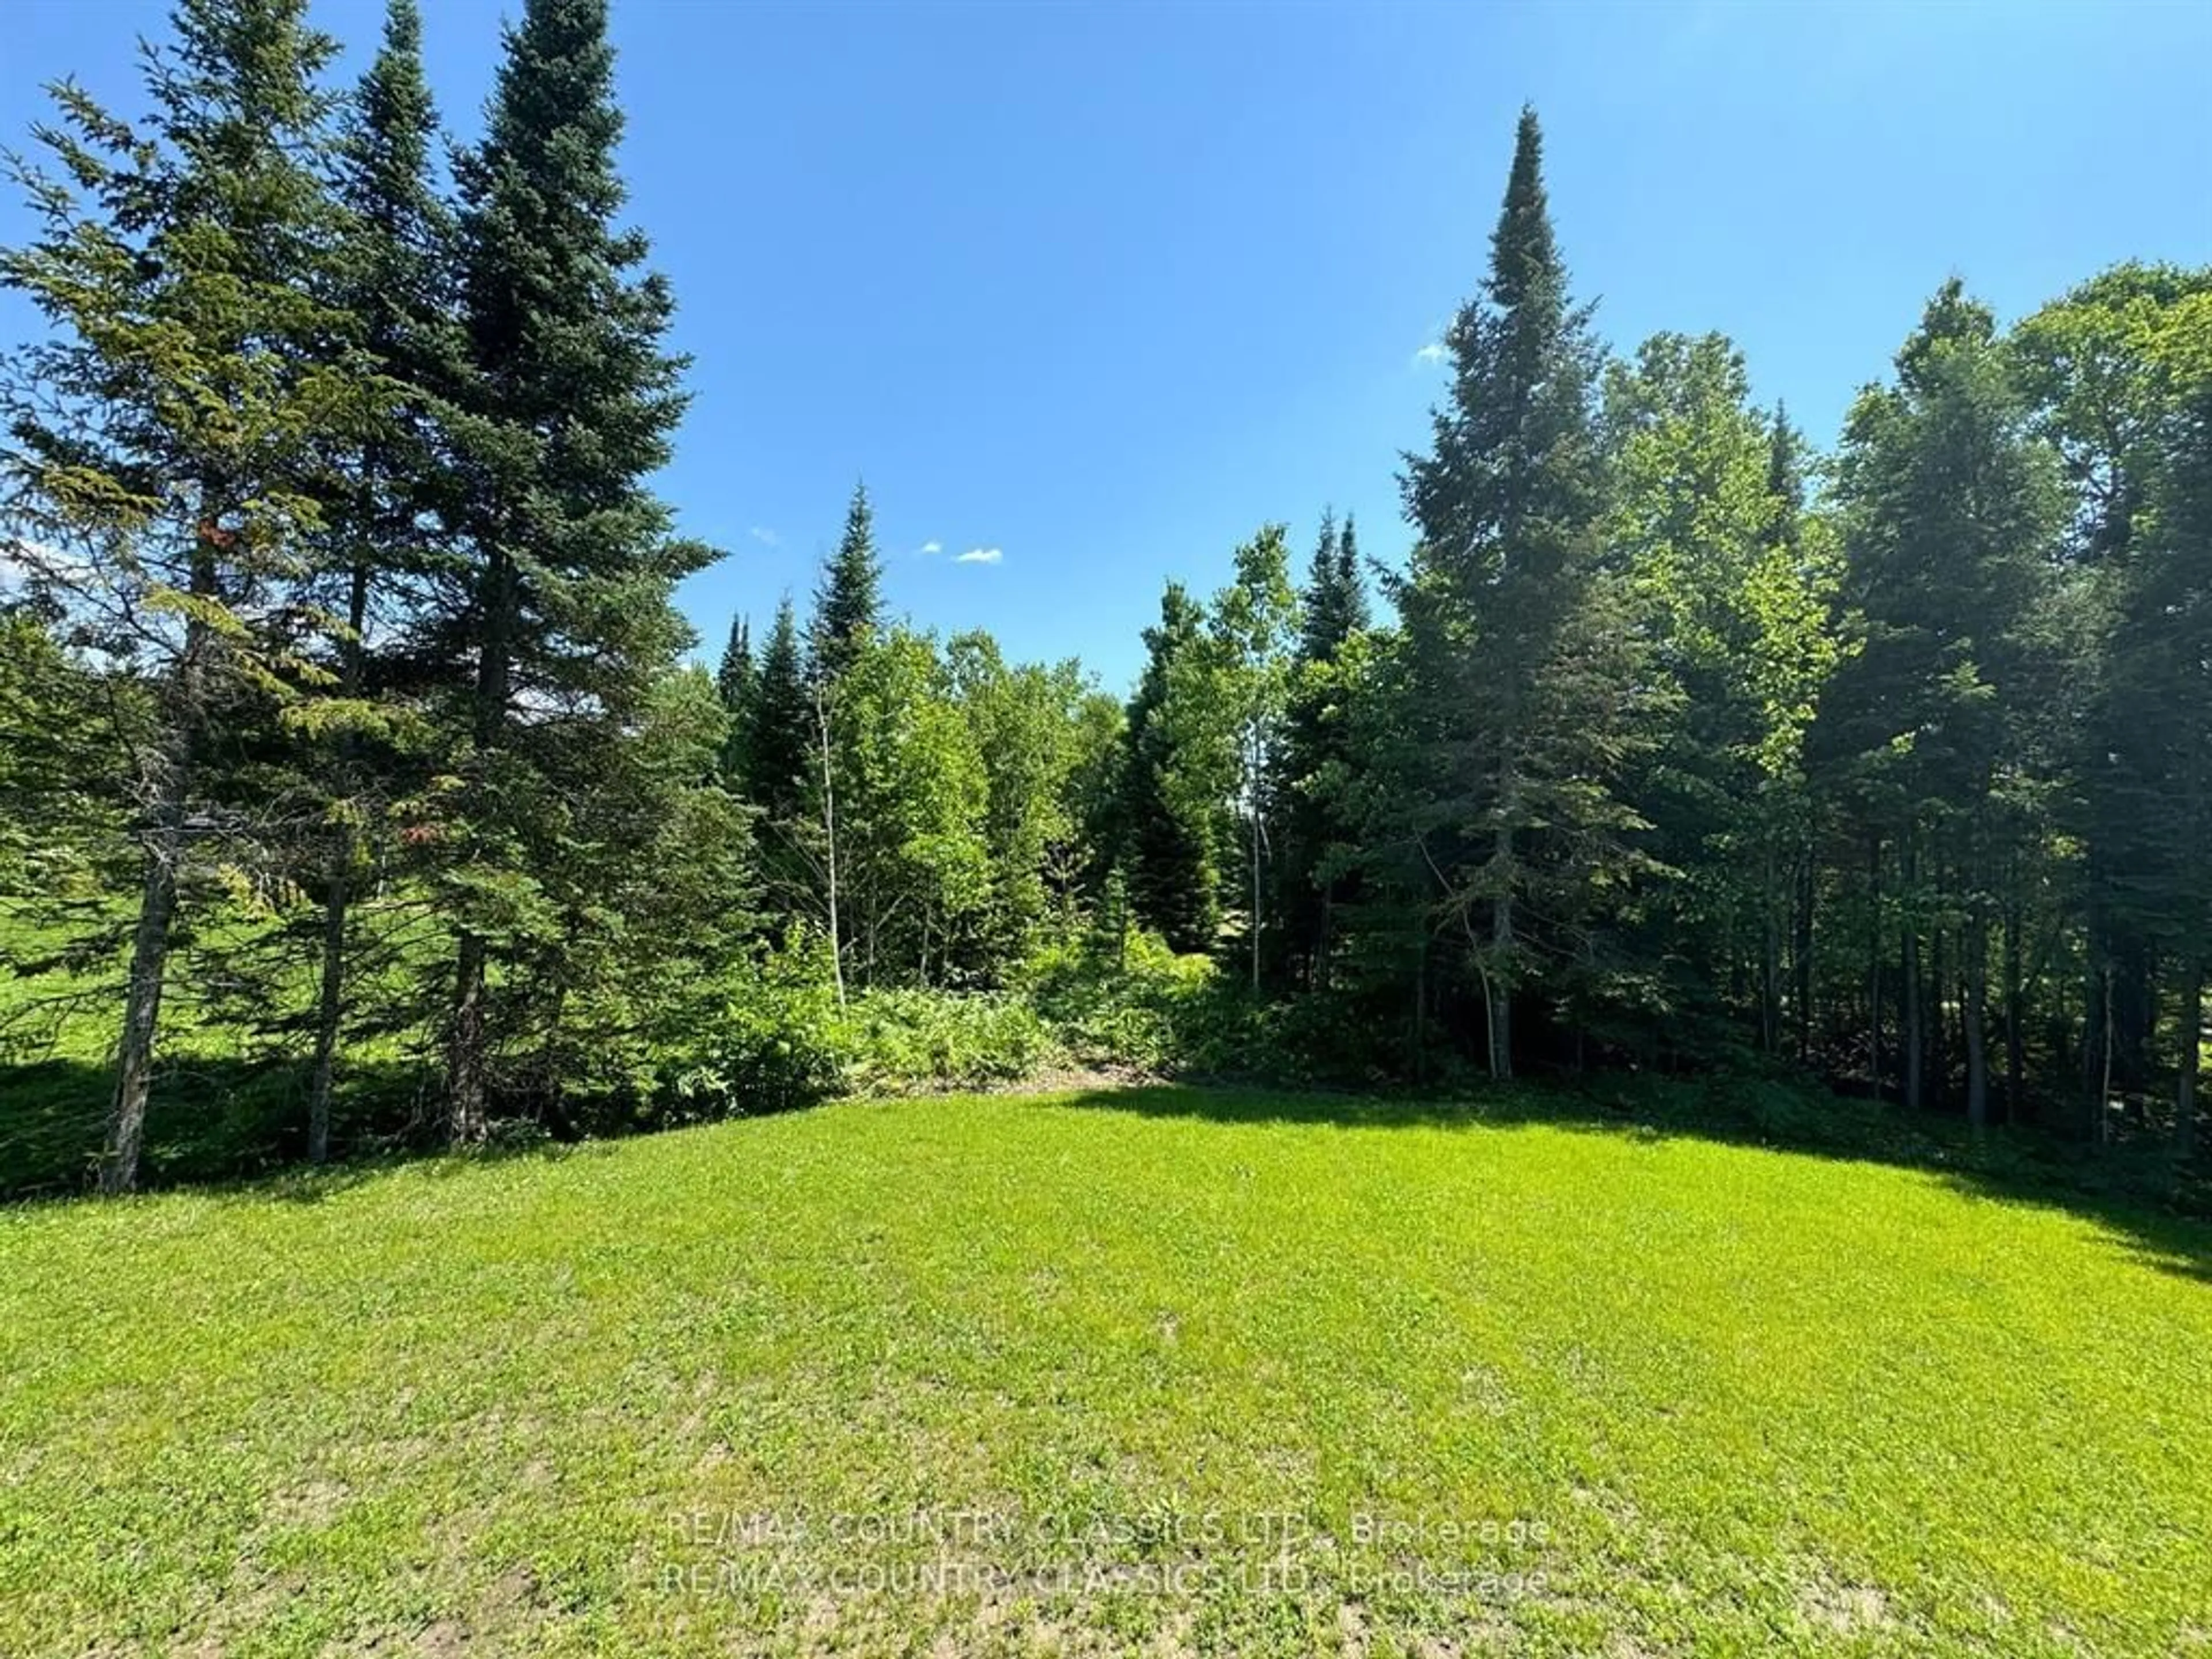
point(207, 1122)
point(236, 1126)
point(2160, 1216)
point(233, 1125)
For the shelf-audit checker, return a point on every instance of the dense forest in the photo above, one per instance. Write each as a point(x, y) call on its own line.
point(349, 732)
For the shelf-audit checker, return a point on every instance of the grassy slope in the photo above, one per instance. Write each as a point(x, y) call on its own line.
point(1738, 1400)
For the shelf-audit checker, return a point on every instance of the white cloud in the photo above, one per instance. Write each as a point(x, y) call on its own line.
point(1432, 353)
point(928, 548)
point(765, 536)
point(980, 555)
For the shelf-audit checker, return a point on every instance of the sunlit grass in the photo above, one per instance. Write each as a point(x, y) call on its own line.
point(1170, 1371)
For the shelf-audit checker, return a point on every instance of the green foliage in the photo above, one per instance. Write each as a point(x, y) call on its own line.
point(1130, 1006)
point(781, 1040)
point(1174, 783)
point(777, 1043)
point(778, 723)
point(848, 612)
point(1524, 698)
point(339, 671)
point(1316, 766)
point(899, 1042)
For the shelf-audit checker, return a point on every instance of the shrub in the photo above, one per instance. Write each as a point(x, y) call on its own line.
point(1136, 1005)
point(902, 1041)
point(780, 1043)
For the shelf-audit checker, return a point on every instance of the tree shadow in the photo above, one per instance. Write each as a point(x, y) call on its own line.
point(2159, 1215)
point(241, 1127)
point(207, 1122)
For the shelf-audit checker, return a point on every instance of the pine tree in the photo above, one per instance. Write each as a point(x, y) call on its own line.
point(736, 681)
point(1520, 668)
point(847, 604)
point(782, 768)
point(566, 413)
point(1315, 765)
point(172, 435)
point(392, 284)
point(780, 722)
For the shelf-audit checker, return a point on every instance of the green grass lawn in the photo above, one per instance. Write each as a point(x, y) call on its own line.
point(1163, 1372)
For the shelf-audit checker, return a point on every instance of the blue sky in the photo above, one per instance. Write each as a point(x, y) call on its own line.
point(1091, 292)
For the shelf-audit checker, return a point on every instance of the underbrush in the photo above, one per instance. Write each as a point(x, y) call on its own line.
point(775, 1037)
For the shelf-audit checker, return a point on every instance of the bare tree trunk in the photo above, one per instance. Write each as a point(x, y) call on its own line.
point(1914, 1012)
point(466, 1123)
point(331, 1001)
point(830, 835)
point(142, 1008)
point(2192, 1049)
point(1499, 997)
point(1977, 952)
point(170, 781)
point(466, 1057)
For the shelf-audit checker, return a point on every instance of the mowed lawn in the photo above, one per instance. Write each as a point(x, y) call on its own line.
point(1165, 1372)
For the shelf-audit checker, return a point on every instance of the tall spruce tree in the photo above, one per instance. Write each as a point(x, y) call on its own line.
point(780, 721)
point(736, 678)
point(170, 439)
point(566, 412)
point(782, 768)
point(848, 604)
point(393, 283)
point(1521, 657)
point(1315, 758)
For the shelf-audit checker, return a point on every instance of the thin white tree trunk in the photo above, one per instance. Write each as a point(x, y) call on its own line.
point(142, 1008)
point(830, 835)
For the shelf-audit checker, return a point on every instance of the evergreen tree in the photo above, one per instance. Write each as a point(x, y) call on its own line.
point(1315, 760)
point(1167, 830)
point(736, 683)
point(566, 412)
point(2097, 367)
point(2151, 774)
point(392, 284)
point(848, 602)
point(170, 437)
point(1950, 511)
point(782, 769)
point(1738, 601)
point(779, 724)
point(1522, 678)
